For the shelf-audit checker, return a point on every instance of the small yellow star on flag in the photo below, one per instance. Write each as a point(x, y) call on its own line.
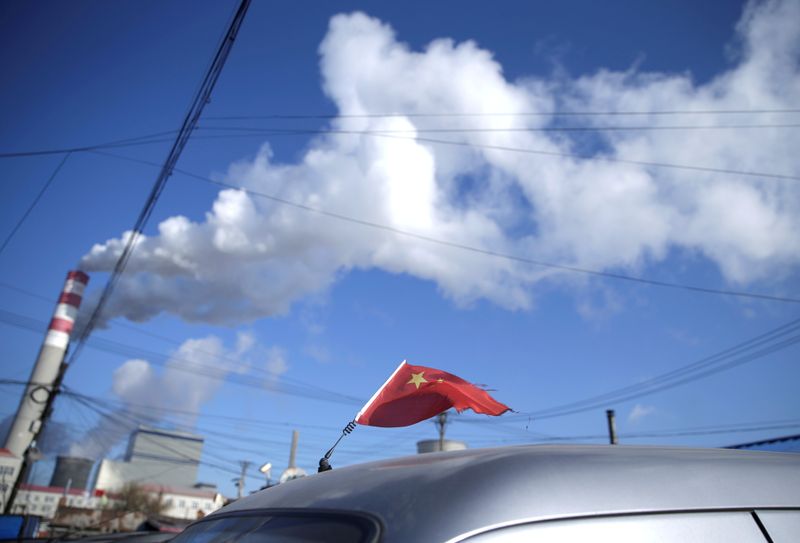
point(417, 379)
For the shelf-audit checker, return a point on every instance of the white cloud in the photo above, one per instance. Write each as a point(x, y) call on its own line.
point(318, 353)
point(276, 363)
point(639, 412)
point(251, 257)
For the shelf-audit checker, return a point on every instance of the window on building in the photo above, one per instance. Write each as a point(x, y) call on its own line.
point(49, 499)
point(36, 497)
point(182, 503)
point(195, 505)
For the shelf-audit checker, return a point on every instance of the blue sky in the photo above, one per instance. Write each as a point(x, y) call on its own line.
point(300, 305)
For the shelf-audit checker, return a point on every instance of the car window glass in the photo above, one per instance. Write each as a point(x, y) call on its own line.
point(782, 526)
point(278, 528)
point(661, 528)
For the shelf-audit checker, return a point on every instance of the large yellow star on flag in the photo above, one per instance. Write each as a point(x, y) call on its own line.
point(417, 379)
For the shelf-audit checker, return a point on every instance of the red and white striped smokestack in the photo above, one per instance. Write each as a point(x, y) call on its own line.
point(45, 371)
point(66, 310)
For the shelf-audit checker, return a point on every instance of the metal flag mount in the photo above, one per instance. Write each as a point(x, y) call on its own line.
point(324, 465)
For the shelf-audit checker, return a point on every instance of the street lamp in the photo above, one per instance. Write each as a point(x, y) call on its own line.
point(266, 469)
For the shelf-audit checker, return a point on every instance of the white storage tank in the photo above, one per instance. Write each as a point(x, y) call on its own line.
point(434, 445)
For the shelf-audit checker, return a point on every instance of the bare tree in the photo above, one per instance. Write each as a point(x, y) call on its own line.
point(132, 498)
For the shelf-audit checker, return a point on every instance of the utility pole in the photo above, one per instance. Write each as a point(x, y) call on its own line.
point(240, 484)
point(441, 422)
point(293, 450)
point(612, 427)
point(48, 373)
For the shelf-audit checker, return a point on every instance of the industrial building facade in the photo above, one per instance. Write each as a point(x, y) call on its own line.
point(161, 462)
point(154, 456)
point(179, 503)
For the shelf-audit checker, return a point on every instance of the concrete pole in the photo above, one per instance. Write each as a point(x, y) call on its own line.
point(245, 464)
point(31, 410)
point(293, 450)
point(612, 427)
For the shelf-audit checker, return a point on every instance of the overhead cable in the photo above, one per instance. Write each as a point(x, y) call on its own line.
point(202, 97)
point(33, 203)
point(127, 142)
point(562, 113)
point(206, 371)
point(273, 131)
point(469, 248)
point(747, 351)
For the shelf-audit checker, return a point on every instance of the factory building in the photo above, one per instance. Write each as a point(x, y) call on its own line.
point(10, 465)
point(179, 503)
point(154, 456)
point(45, 500)
point(162, 462)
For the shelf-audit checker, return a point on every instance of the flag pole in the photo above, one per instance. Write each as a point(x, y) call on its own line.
point(324, 464)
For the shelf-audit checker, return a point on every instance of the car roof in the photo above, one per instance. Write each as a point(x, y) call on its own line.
point(446, 494)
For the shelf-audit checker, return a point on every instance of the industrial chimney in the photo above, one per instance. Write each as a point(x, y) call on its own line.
point(29, 414)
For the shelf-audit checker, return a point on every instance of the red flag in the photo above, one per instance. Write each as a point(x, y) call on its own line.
point(415, 393)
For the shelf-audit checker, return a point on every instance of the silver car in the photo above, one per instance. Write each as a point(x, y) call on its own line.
point(529, 493)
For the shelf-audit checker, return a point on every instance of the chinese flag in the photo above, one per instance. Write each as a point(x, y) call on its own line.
point(415, 393)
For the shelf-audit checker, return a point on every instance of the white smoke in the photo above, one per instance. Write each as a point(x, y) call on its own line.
point(190, 378)
point(252, 257)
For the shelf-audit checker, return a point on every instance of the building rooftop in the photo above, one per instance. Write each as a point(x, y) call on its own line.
point(59, 490)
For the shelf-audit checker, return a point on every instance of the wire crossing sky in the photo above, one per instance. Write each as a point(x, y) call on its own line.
point(563, 203)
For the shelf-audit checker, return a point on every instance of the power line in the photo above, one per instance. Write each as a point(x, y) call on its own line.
point(583, 157)
point(715, 358)
point(744, 352)
point(224, 418)
point(397, 134)
point(517, 114)
point(127, 142)
point(469, 248)
point(686, 432)
point(33, 204)
point(298, 389)
point(468, 130)
point(33, 325)
point(202, 97)
point(278, 131)
point(605, 158)
point(123, 419)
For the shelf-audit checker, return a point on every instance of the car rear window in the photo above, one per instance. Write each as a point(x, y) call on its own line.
point(282, 527)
